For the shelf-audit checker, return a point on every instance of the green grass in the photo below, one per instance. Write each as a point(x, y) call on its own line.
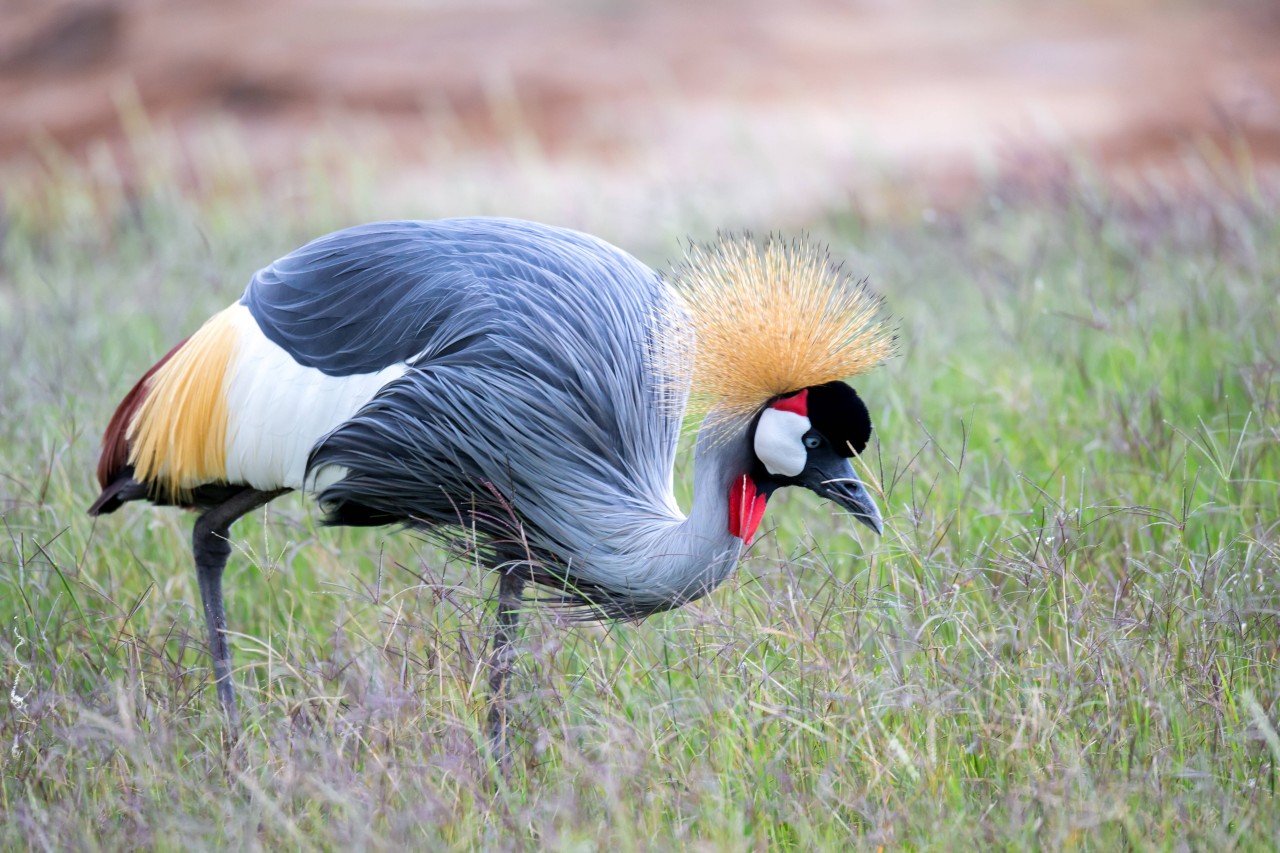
point(1066, 638)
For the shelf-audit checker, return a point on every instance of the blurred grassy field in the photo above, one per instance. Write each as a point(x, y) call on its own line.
point(1067, 637)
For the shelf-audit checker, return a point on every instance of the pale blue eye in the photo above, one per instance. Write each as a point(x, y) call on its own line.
point(812, 440)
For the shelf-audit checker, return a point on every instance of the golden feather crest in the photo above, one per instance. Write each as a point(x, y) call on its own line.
point(768, 318)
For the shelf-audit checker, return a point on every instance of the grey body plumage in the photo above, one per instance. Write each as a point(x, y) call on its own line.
point(531, 416)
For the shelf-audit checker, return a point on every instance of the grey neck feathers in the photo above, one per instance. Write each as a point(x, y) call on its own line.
point(667, 560)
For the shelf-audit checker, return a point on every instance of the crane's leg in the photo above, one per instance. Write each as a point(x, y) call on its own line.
point(510, 590)
point(211, 545)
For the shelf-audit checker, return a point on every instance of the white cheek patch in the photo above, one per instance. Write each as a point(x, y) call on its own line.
point(779, 442)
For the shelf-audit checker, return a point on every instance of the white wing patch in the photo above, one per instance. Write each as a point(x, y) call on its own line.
point(779, 442)
point(277, 409)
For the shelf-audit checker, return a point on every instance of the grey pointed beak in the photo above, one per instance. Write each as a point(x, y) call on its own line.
point(844, 488)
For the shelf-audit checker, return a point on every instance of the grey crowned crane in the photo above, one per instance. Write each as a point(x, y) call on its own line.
point(517, 387)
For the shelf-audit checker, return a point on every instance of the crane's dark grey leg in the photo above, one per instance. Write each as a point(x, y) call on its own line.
point(510, 590)
point(211, 546)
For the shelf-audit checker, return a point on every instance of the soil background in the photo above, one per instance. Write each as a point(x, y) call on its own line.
point(806, 100)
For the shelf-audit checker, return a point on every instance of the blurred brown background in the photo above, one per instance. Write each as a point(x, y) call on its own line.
point(785, 104)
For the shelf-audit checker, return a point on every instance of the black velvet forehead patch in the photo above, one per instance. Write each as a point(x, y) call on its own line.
point(836, 411)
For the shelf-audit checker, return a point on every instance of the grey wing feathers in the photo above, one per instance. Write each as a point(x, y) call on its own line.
point(530, 403)
point(362, 299)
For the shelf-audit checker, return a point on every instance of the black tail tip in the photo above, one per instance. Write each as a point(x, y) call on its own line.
point(117, 493)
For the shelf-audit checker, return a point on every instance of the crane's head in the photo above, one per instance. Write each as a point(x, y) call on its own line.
point(807, 438)
point(776, 327)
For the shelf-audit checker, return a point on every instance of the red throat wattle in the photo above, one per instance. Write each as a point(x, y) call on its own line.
point(746, 508)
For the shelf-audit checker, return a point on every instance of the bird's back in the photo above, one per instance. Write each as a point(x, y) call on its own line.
point(534, 388)
point(488, 372)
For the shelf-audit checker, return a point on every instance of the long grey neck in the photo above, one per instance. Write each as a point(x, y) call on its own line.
point(719, 459)
point(675, 560)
